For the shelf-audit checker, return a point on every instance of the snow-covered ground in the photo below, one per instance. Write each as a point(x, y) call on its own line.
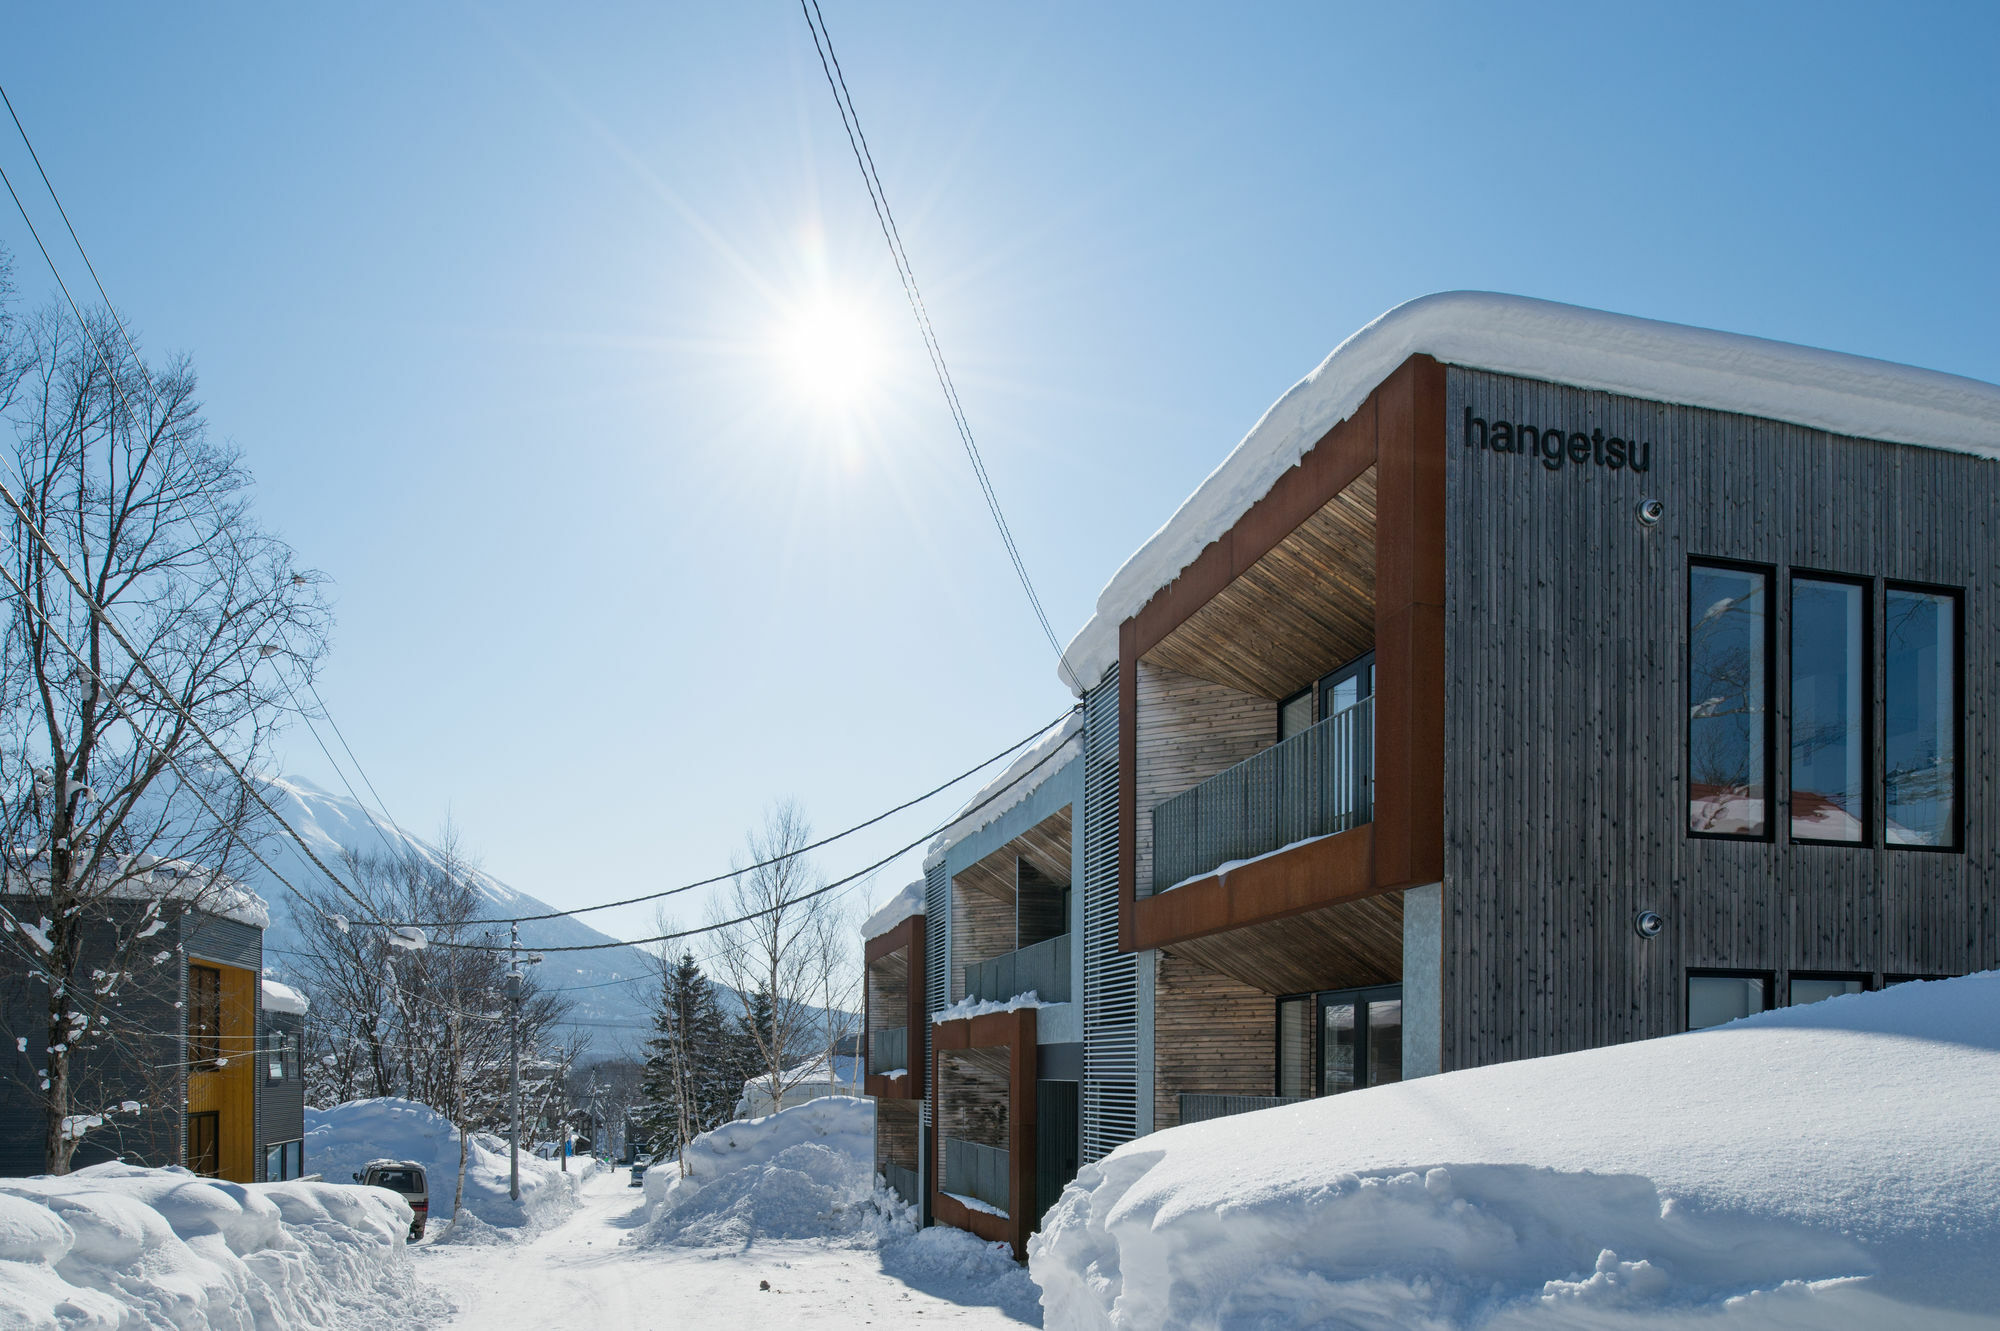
point(341, 1141)
point(1833, 1167)
point(595, 1270)
point(120, 1247)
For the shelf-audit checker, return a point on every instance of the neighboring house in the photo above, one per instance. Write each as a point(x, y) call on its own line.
point(809, 1080)
point(281, 1102)
point(971, 1006)
point(1531, 679)
point(207, 1065)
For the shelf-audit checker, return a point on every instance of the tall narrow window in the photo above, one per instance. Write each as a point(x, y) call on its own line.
point(1729, 635)
point(1829, 730)
point(204, 1015)
point(1920, 691)
point(1295, 1046)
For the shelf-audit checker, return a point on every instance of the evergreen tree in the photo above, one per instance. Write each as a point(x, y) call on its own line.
point(678, 1088)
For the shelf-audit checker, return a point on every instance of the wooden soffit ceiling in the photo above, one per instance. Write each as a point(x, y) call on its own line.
point(1345, 946)
point(1046, 845)
point(1307, 606)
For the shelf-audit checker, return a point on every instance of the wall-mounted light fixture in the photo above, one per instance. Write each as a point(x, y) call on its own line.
point(1647, 923)
point(1650, 512)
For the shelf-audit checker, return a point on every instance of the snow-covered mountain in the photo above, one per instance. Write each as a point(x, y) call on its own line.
point(608, 989)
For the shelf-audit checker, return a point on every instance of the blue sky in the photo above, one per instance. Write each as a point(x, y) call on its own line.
point(489, 296)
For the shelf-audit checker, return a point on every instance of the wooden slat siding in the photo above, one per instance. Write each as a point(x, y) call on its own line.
point(973, 1095)
point(1565, 703)
point(1046, 845)
point(1346, 946)
point(892, 959)
point(1109, 1108)
point(1302, 608)
point(1190, 729)
point(982, 927)
point(1210, 1033)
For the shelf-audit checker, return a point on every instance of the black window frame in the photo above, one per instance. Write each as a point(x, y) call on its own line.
point(1771, 803)
point(212, 1120)
point(1910, 977)
point(283, 1044)
point(1332, 678)
point(1957, 595)
point(1872, 717)
point(204, 1039)
point(1769, 978)
point(1867, 978)
point(1315, 1002)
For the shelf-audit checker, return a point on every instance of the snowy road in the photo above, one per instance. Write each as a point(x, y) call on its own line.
point(582, 1273)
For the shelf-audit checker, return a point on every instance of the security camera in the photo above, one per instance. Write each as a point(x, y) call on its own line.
point(1648, 924)
point(1650, 512)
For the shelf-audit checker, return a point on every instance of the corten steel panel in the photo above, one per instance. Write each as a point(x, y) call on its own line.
point(1566, 702)
point(909, 934)
point(1400, 430)
point(1015, 1031)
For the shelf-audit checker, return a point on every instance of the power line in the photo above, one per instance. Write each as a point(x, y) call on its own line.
point(857, 142)
point(821, 891)
point(762, 864)
point(152, 391)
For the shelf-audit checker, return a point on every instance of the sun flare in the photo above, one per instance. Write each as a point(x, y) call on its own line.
point(830, 354)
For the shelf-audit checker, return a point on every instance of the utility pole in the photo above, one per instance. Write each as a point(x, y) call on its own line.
point(514, 982)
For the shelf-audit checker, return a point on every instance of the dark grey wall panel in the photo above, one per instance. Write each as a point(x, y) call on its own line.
point(216, 939)
point(281, 1105)
point(1565, 780)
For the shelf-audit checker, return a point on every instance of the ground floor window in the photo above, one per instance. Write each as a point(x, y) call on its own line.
point(1340, 1040)
point(204, 1143)
point(1811, 988)
point(284, 1160)
point(1714, 997)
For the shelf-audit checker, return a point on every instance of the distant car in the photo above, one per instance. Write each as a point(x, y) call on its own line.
point(639, 1171)
point(405, 1177)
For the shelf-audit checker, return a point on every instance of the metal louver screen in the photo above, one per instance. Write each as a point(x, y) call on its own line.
point(1110, 977)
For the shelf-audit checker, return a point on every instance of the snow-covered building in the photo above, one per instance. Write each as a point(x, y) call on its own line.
point(1531, 679)
point(1528, 680)
point(181, 1052)
point(975, 1041)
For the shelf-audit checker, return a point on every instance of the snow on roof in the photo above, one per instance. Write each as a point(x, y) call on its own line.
point(150, 878)
point(1042, 760)
point(284, 998)
point(1827, 1165)
point(908, 902)
point(1538, 339)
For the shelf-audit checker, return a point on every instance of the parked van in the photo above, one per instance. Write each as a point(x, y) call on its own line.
point(405, 1177)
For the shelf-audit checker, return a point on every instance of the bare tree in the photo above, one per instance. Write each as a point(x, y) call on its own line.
point(123, 493)
point(837, 979)
point(771, 957)
point(429, 1024)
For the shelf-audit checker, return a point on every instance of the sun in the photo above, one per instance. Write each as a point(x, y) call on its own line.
point(830, 354)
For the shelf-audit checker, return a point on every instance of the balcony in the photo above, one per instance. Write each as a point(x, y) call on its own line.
point(1200, 1106)
point(978, 1171)
point(1318, 782)
point(1043, 968)
point(888, 1050)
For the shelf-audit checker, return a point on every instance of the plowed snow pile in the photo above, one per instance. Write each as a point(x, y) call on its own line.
point(807, 1174)
point(340, 1141)
point(1834, 1167)
point(116, 1247)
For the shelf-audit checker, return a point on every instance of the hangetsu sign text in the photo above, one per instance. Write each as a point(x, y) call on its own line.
point(1556, 446)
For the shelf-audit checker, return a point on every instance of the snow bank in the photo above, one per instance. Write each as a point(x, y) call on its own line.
point(117, 1246)
point(807, 1173)
point(908, 902)
point(341, 1141)
point(1539, 339)
point(803, 1172)
point(1832, 1166)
